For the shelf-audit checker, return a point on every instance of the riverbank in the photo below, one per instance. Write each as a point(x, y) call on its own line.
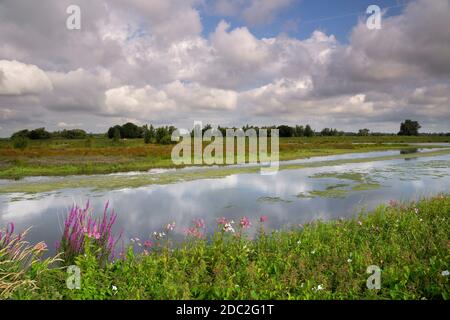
point(111, 182)
point(58, 157)
point(409, 242)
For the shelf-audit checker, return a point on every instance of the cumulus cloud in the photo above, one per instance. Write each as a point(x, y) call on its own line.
point(18, 78)
point(151, 61)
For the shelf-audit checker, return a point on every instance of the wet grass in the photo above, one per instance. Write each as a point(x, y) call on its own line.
point(408, 242)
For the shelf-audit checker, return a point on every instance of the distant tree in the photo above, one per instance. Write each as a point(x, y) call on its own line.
point(308, 131)
point(131, 131)
point(20, 142)
point(112, 131)
point(73, 134)
point(116, 134)
point(149, 134)
point(21, 133)
point(299, 131)
point(38, 134)
point(363, 132)
point(409, 128)
point(285, 131)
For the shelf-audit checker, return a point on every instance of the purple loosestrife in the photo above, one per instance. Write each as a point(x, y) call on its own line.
point(80, 228)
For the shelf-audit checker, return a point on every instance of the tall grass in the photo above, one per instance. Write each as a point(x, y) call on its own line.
point(18, 261)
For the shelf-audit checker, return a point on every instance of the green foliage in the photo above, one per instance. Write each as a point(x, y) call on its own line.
point(363, 132)
point(308, 131)
point(149, 134)
point(409, 128)
point(20, 142)
point(116, 134)
point(71, 134)
point(409, 242)
point(36, 134)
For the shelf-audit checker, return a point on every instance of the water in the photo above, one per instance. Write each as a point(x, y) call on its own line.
point(144, 210)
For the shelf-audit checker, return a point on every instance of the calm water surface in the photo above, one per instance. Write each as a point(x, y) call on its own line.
point(144, 210)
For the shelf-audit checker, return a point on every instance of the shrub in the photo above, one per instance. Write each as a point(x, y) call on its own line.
point(20, 142)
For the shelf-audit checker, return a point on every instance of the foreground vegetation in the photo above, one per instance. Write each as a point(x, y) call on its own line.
point(97, 155)
point(321, 260)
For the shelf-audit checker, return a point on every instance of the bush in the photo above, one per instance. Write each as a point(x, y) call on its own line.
point(20, 142)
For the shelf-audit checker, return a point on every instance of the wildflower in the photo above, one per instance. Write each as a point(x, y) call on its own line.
point(263, 219)
point(445, 273)
point(170, 226)
point(148, 244)
point(194, 232)
point(319, 287)
point(158, 235)
point(416, 210)
point(114, 289)
point(228, 227)
point(313, 252)
point(299, 242)
point(245, 223)
point(199, 223)
point(360, 223)
point(222, 221)
point(349, 260)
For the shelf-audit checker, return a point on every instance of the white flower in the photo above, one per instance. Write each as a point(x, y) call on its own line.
point(445, 273)
point(313, 252)
point(229, 227)
point(349, 260)
point(299, 242)
point(416, 210)
point(114, 289)
point(319, 287)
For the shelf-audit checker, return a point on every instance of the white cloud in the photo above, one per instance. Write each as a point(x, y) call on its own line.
point(18, 78)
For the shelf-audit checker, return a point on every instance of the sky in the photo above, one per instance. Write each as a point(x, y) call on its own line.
point(224, 62)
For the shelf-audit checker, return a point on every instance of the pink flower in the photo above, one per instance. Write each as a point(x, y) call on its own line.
point(170, 226)
point(194, 232)
point(222, 221)
point(148, 244)
point(199, 223)
point(263, 219)
point(245, 223)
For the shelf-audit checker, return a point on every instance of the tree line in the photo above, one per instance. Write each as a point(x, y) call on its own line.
point(162, 135)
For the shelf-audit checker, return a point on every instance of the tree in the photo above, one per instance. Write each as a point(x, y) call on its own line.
point(131, 131)
point(112, 131)
point(149, 134)
point(116, 134)
point(38, 134)
point(363, 132)
point(299, 131)
point(73, 134)
point(308, 131)
point(409, 128)
point(285, 131)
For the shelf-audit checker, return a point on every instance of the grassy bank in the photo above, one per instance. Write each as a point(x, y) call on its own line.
point(107, 182)
point(59, 157)
point(409, 242)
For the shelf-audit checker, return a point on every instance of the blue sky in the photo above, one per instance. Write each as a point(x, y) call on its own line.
point(303, 17)
point(173, 62)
